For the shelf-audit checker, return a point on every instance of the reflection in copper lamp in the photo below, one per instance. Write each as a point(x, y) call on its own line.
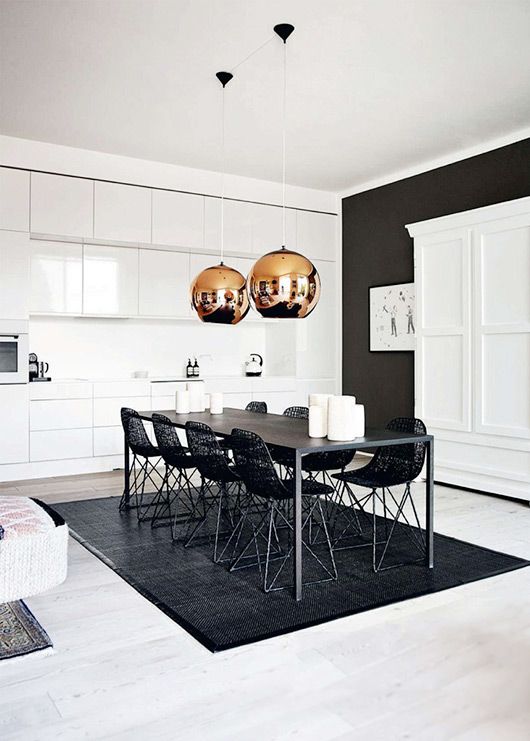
point(218, 295)
point(284, 285)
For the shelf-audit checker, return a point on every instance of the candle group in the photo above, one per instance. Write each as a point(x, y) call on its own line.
point(339, 418)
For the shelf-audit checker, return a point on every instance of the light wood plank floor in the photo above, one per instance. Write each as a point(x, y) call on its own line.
point(454, 665)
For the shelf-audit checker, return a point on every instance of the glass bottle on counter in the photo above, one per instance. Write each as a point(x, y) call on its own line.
point(189, 369)
point(196, 369)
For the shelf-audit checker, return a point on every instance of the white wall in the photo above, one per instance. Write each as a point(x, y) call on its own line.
point(96, 348)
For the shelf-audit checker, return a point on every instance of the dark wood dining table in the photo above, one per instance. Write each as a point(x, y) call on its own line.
point(292, 434)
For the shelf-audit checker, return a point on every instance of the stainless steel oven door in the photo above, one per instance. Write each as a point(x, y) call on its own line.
point(13, 358)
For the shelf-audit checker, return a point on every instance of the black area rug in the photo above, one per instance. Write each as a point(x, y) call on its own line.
point(20, 631)
point(223, 610)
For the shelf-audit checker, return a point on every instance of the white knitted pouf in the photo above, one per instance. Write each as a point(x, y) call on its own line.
point(33, 548)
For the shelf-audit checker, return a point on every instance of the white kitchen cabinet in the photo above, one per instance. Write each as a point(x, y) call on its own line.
point(178, 219)
point(60, 414)
point(108, 441)
point(61, 205)
point(107, 411)
point(472, 359)
point(110, 280)
point(277, 401)
point(316, 235)
point(238, 217)
point(14, 276)
point(56, 277)
point(14, 413)
point(122, 212)
point(316, 334)
point(60, 390)
point(14, 199)
point(163, 283)
point(267, 228)
point(56, 445)
point(115, 389)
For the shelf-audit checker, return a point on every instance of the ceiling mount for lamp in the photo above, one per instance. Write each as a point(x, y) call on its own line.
point(219, 293)
point(284, 30)
point(284, 284)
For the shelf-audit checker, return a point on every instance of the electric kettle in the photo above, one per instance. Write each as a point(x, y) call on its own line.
point(254, 367)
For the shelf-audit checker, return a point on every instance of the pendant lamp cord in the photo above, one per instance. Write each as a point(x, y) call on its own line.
point(283, 138)
point(223, 157)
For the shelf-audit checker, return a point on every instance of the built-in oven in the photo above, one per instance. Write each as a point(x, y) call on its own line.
point(13, 358)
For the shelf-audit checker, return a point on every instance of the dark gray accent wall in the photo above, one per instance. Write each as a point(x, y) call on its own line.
point(377, 250)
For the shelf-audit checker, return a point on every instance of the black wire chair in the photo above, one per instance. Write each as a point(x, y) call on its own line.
point(141, 470)
point(270, 524)
point(391, 466)
point(177, 486)
point(283, 456)
point(260, 407)
point(219, 481)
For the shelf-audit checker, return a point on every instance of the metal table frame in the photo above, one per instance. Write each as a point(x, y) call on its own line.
point(292, 434)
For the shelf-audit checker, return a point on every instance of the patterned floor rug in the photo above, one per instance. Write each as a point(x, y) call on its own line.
point(20, 631)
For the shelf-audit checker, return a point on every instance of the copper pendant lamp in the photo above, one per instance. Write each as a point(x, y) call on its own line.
point(284, 284)
point(218, 294)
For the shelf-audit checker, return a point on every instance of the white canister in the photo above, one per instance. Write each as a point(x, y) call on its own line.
point(182, 402)
point(197, 400)
point(216, 403)
point(317, 424)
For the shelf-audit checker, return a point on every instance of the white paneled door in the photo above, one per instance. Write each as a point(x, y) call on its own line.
point(502, 327)
point(443, 351)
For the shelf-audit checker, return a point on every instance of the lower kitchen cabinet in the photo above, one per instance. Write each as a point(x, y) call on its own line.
point(60, 414)
point(108, 441)
point(56, 445)
point(14, 413)
point(107, 411)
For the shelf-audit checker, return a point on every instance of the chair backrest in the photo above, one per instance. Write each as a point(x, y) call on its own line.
point(135, 434)
point(402, 461)
point(297, 412)
point(206, 451)
point(260, 407)
point(167, 439)
point(254, 464)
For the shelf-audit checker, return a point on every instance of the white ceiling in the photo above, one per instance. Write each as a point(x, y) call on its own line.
point(374, 86)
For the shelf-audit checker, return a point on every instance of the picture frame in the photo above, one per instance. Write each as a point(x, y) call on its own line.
point(393, 318)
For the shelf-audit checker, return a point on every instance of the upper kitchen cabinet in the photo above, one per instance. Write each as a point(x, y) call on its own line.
point(56, 277)
point(163, 289)
point(122, 212)
point(316, 235)
point(61, 205)
point(237, 225)
point(267, 228)
point(14, 276)
point(178, 219)
point(319, 330)
point(110, 280)
point(14, 199)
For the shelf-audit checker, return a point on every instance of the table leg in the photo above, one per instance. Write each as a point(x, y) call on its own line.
point(297, 526)
point(429, 505)
point(126, 475)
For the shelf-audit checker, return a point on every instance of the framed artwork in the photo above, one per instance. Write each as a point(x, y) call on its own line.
point(393, 317)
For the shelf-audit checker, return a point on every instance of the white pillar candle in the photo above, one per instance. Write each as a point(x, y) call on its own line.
point(182, 402)
point(317, 425)
point(216, 403)
point(197, 400)
point(358, 420)
point(321, 400)
point(340, 418)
